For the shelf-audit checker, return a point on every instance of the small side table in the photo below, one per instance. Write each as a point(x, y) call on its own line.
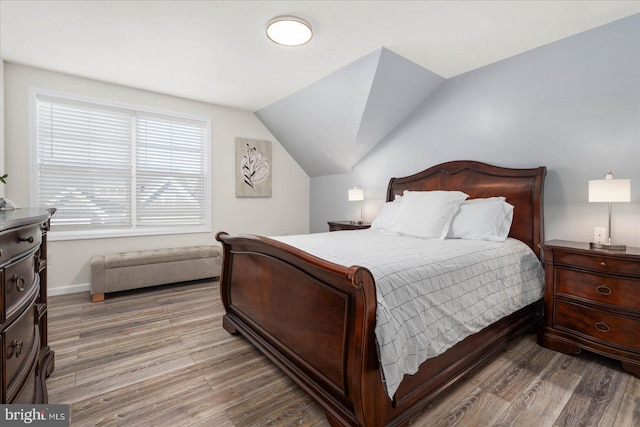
point(347, 225)
point(592, 301)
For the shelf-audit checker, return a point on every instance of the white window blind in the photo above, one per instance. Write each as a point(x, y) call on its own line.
point(107, 168)
point(171, 174)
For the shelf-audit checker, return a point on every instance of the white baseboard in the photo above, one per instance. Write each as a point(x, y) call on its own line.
point(71, 289)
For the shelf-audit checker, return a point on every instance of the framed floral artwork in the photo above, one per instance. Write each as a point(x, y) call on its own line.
point(253, 168)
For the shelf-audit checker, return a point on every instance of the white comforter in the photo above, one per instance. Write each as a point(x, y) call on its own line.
point(431, 294)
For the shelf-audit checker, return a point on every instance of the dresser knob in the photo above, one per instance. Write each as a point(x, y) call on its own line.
point(19, 282)
point(603, 263)
point(603, 290)
point(17, 345)
point(602, 327)
point(27, 239)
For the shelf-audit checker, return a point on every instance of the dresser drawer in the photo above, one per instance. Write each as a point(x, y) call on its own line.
point(599, 288)
point(599, 263)
point(28, 394)
point(605, 327)
point(21, 347)
point(19, 279)
point(18, 241)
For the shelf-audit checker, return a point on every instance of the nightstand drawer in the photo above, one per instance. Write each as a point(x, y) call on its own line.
point(605, 327)
point(599, 263)
point(599, 288)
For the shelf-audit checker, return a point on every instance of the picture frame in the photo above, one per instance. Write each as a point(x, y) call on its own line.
point(253, 168)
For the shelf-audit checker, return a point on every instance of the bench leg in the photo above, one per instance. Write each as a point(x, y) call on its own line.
point(97, 297)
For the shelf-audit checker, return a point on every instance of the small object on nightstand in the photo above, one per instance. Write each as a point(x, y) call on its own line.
point(347, 225)
point(592, 301)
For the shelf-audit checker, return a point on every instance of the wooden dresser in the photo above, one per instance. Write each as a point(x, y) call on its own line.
point(592, 301)
point(26, 357)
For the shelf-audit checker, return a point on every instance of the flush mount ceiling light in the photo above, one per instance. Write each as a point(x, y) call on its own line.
point(289, 31)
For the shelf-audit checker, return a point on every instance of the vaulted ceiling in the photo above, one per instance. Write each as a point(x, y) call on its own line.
point(333, 123)
point(328, 102)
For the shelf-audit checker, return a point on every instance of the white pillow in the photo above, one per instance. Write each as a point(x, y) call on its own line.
point(426, 214)
point(388, 211)
point(482, 219)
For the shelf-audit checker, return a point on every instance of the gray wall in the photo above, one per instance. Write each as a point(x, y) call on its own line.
point(572, 106)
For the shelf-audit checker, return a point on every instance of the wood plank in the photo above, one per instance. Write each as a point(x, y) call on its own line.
point(269, 408)
point(597, 396)
point(221, 419)
point(629, 413)
point(519, 372)
point(476, 407)
point(543, 399)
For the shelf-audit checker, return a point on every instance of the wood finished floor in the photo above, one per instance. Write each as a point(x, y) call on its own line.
point(160, 357)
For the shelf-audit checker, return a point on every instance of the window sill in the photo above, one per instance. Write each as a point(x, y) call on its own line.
point(58, 236)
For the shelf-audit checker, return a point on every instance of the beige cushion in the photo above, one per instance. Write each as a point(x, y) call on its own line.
point(132, 270)
point(128, 259)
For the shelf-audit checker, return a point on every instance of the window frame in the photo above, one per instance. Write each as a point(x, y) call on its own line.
point(60, 235)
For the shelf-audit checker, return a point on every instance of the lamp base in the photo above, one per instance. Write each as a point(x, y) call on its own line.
point(608, 246)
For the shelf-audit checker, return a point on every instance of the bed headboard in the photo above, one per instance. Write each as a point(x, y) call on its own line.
point(523, 188)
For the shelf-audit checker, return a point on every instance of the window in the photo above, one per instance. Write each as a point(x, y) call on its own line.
point(115, 170)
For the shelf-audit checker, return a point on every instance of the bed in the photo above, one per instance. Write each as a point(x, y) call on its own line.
point(316, 319)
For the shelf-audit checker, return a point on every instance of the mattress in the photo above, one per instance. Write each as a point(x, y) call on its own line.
point(431, 294)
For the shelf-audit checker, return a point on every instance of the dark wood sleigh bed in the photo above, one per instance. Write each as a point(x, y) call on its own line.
point(316, 320)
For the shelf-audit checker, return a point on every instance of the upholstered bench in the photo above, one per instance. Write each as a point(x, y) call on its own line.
point(133, 270)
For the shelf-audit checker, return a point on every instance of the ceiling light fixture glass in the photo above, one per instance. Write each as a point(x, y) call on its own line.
point(289, 31)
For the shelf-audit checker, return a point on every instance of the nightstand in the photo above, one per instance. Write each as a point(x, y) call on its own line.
point(347, 225)
point(592, 301)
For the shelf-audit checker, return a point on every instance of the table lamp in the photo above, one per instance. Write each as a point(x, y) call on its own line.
point(356, 194)
point(609, 190)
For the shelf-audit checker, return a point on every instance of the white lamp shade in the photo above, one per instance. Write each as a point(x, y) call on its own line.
point(610, 190)
point(356, 194)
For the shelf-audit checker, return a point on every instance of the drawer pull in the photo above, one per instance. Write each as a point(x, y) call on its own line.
point(603, 290)
point(19, 282)
point(603, 263)
point(17, 345)
point(27, 239)
point(602, 327)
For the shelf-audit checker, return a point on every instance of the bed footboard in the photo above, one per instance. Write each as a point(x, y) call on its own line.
point(313, 318)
